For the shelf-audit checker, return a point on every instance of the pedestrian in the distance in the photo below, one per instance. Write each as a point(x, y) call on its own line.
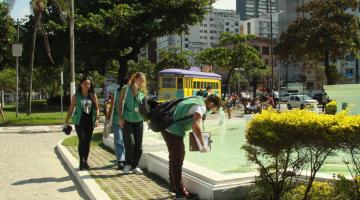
point(85, 118)
point(131, 121)
point(325, 100)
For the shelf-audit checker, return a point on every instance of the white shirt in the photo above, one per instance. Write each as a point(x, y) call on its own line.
point(197, 109)
point(276, 94)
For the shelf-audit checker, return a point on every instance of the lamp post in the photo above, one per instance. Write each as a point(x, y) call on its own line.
point(17, 52)
point(269, 5)
point(271, 46)
point(72, 51)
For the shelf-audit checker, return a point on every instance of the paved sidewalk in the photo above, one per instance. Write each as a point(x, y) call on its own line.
point(122, 186)
point(30, 169)
point(38, 129)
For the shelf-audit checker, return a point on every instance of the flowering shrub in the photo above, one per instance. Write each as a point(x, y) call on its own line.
point(331, 107)
point(282, 144)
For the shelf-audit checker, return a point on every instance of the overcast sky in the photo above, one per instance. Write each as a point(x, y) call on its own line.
point(22, 7)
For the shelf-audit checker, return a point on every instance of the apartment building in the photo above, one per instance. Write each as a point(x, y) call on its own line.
point(248, 9)
point(205, 34)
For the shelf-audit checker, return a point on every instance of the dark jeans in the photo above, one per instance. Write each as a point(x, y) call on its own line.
point(276, 101)
point(133, 136)
point(84, 134)
point(176, 148)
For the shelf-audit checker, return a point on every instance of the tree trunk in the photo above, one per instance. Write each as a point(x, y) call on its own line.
point(329, 76)
point(122, 71)
point(308, 188)
point(357, 70)
point(228, 80)
point(36, 25)
point(254, 85)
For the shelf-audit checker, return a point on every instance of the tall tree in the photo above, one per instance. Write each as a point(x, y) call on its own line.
point(107, 30)
point(327, 33)
point(173, 58)
point(7, 36)
point(234, 53)
point(38, 7)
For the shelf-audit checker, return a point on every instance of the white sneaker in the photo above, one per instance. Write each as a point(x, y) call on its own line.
point(126, 169)
point(137, 171)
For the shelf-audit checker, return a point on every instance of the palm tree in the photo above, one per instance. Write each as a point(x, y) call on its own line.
point(38, 7)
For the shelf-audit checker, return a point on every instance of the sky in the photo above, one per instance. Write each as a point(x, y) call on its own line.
point(22, 7)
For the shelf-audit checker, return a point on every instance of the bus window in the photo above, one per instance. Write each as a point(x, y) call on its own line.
point(168, 82)
point(201, 85)
point(179, 83)
point(194, 84)
point(216, 86)
point(198, 86)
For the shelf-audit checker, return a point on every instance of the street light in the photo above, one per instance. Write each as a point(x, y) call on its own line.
point(72, 51)
point(17, 52)
point(271, 39)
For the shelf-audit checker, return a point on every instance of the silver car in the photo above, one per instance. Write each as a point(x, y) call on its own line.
point(301, 101)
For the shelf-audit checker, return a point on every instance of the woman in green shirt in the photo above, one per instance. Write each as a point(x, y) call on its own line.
point(131, 121)
point(85, 118)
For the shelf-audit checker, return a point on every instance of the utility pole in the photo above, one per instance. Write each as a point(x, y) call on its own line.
point(357, 70)
point(72, 50)
point(17, 52)
point(271, 46)
point(17, 72)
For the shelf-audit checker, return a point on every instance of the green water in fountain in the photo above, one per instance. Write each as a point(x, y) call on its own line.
point(226, 155)
point(349, 93)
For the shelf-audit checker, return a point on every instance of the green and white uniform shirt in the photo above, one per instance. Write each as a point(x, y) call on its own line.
point(186, 108)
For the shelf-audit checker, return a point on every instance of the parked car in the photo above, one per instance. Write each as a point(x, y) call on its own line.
point(300, 101)
point(284, 97)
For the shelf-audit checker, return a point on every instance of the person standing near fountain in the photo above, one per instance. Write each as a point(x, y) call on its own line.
point(131, 121)
point(174, 137)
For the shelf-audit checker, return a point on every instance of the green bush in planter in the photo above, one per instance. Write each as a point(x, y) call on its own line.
point(331, 107)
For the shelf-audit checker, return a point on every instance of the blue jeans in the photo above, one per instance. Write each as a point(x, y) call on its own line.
point(118, 143)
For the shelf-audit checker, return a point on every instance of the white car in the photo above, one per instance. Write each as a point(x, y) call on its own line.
point(301, 101)
point(284, 97)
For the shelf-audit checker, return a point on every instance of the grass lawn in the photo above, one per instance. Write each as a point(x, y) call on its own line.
point(42, 114)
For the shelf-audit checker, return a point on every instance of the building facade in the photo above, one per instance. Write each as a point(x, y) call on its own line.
point(205, 34)
point(260, 27)
point(248, 9)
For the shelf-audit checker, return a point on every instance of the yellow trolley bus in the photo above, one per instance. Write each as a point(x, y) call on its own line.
point(179, 83)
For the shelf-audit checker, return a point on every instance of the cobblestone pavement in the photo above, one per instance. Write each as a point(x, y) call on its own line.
point(123, 186)
point(30, 169)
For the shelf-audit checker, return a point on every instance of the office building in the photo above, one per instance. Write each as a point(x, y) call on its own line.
point(248, 9)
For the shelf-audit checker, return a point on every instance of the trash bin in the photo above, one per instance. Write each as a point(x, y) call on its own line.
point(344, 105)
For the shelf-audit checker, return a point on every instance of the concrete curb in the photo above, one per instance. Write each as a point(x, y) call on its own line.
point(38, 129)
point(88, 184)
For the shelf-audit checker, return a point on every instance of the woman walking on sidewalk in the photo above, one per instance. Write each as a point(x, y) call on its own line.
point(85, 118)
point(131, 121)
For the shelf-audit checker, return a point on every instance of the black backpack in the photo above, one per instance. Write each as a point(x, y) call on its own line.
point(159, 115)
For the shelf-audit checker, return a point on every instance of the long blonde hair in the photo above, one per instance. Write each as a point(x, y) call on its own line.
point(143, 84)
